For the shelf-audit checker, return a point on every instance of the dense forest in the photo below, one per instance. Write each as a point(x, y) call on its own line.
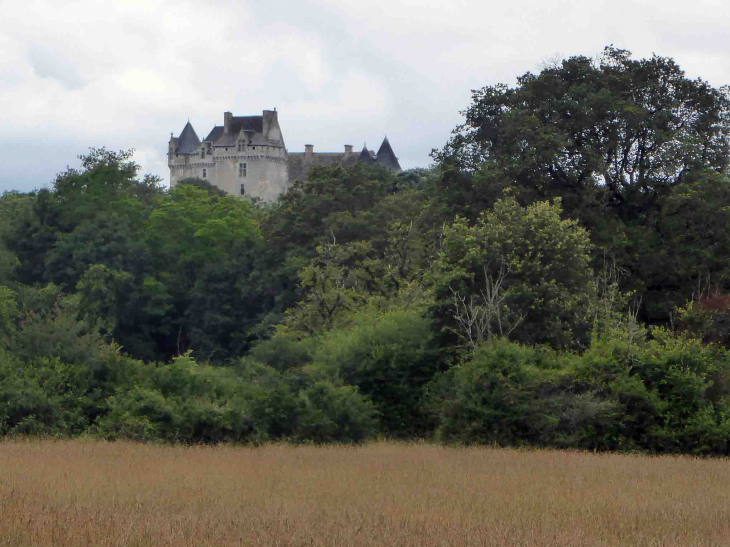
point(559, 277)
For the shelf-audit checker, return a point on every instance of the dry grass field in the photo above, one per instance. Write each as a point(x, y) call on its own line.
point(99, 494)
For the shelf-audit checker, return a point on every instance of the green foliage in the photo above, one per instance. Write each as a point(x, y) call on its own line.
point(283, 351)
point(203, 185)
point(335, 206)
point(329, 413)
point(517, 293)
point(103, 292)
point(667, 395)
point(203, 248)
point(271, 398)
point(528, 270)
point(8, 312)
point(707, 318)
point(389, 357)
point(8, 264)
point(337, 282)
point(48, 324)
point(147, 414)
point(633, 148)
point(633, 126)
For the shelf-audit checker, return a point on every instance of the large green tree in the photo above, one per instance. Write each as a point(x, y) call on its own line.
point(632, 147)
point(521, 272)
point(202, 249)
point(617, 130)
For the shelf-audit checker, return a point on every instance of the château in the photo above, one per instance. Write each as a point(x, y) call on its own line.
point(247, 156)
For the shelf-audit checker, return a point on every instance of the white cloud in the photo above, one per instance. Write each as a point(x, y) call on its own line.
point(124, 73)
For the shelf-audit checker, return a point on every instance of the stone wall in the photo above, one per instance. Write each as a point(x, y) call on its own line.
point(266, 177)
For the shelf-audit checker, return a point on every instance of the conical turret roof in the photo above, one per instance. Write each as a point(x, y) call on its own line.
point(386, 157)
point(365, 155)
point(188, 141)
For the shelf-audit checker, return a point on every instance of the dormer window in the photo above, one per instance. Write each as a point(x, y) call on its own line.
point(202, 153)
point(240, 146)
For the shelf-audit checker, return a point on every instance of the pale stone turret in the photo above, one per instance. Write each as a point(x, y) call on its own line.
point(244, 156)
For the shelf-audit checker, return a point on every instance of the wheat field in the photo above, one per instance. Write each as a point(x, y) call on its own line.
point(125, 494)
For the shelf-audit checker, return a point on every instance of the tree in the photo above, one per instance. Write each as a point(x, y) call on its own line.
point(92, 215)
point(334, 202)
point(617, 132)
point(203, 250)
point(203, 185)
point(105, 178)
point(11, 204)
point(530, 268)
point(628, 145)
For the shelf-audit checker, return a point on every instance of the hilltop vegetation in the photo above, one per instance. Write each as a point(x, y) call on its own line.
point(558, 278)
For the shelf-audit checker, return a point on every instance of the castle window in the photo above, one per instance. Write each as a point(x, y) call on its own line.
point(205, 173)
point(240, 146)
point(242, 189)
point(253, 148)
point(242, 172)
point(202, 152)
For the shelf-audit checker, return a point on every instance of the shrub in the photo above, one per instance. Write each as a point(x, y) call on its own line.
point(388, 356)
point(327, 413)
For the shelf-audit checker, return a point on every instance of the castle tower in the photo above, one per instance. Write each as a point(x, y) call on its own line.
point(244, 156)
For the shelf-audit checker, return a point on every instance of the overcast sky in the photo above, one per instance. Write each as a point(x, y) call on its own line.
point(126, 73)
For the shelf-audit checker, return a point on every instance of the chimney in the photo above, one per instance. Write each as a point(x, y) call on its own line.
point(348, 150)
point(266, 123)
point(308, 151)
point(227, 117)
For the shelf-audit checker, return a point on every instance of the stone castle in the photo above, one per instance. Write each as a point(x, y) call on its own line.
point(247, 156)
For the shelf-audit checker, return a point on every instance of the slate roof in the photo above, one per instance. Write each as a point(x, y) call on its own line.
point(366, 156)
point(386, 157)
point(214, 134)
point(299, 164)
point(247, 123)
point(255, 124)
point(188, 141)
point(231, 139)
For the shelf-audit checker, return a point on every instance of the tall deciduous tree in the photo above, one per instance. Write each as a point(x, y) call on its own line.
point(616, 129)
point(626, 144)
point(203, 249)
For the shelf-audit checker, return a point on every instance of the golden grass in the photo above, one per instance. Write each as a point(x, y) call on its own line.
point(98, 493)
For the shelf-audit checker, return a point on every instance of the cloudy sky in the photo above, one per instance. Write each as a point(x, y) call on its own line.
point(126, 73)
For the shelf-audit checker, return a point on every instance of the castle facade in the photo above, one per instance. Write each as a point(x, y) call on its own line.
point(247, 156)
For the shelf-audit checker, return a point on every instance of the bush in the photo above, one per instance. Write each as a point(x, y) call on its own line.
point(327, 413)
point(282, 352)
point(492, 395)
point(146, 414)
point(271, 397)
point(669, 394)
point(388, 356)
